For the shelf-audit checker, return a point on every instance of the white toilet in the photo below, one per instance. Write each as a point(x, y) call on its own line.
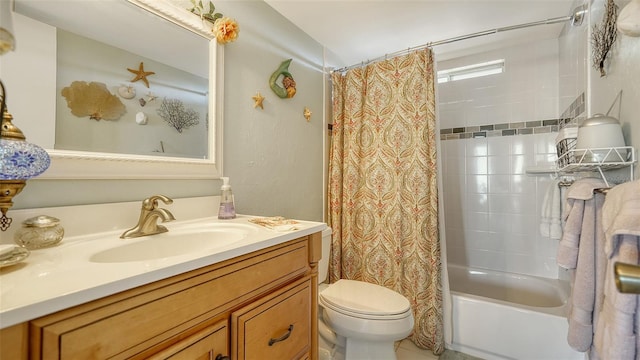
point(358, 320)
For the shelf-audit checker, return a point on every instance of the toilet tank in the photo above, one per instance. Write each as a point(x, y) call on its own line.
point(323, 264)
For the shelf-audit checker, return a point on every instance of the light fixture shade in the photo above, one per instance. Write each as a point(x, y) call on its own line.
point(629, 19)
point(7, 41)
point(20, 160)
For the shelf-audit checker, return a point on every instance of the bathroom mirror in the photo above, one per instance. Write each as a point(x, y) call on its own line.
point(155, 65)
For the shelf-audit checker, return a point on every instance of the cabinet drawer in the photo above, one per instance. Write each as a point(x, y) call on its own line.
point(206, 344)
point(275, 327)
point(156, 313)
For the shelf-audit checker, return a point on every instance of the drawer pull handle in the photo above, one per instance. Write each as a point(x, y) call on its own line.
point(283, 337)
point(222, 357)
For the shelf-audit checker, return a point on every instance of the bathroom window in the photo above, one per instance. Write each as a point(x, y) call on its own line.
point(471, 71)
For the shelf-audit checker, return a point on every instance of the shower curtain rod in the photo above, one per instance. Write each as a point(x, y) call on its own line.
point(550, 21)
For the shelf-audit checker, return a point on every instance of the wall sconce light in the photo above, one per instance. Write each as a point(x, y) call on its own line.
point(7, 41)
point(19, 160)
point(629, 19)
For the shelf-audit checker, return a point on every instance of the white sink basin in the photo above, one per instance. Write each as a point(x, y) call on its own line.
point(176, 242)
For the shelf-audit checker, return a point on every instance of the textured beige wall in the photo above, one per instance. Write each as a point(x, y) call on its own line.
point(273, 156)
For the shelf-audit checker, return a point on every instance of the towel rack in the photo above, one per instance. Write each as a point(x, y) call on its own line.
point(603, 191)
point(565, 183)
point(627, 277)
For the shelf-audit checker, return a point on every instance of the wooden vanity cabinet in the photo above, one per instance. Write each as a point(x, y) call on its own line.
point(229, 309)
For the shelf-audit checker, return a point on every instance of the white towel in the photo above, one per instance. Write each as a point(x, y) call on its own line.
point(551, 218)
point(581, 250)
point(588, 276)
point(555, 228)
point(615, 335)
point(621, 213)
point(616, 331)
point(277, 223)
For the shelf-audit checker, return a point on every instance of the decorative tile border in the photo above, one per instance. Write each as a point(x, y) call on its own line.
point(503, 129)
point(571, 115)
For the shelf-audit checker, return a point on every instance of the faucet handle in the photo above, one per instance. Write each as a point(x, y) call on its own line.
point(152, 202)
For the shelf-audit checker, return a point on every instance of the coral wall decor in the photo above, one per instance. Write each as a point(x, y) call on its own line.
point(175, 114)
point(288, 88)
point(93, 100)
point(603, 37)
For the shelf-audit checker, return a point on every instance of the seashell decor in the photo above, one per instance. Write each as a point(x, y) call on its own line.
point(141, 118)
point(94, 100)
point(127, 92)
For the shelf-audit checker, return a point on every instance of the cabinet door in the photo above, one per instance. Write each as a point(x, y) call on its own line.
point(277, 326)
point(207, 344)
point(14, 342)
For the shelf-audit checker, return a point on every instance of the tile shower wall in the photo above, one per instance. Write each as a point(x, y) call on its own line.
point(492, 206)
point(573, 67)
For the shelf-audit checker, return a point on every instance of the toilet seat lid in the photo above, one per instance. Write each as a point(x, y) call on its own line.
point(365, 299)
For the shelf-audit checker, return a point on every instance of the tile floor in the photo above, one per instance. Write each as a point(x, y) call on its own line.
point(408, 351)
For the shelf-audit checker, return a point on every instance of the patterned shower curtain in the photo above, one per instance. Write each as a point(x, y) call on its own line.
point(383, 196)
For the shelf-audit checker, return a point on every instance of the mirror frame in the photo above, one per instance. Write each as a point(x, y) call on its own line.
point(66, 164)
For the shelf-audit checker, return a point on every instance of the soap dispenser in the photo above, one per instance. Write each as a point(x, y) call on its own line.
point(227, 207)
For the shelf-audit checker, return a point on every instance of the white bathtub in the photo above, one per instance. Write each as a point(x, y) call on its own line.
point(500, 315)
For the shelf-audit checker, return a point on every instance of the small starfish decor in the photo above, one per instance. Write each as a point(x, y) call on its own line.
point(258, 99)
point(307, 113)
point(141, 74)
point(151, 97)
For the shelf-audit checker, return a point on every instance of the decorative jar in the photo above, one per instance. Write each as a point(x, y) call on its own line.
point(39, 232)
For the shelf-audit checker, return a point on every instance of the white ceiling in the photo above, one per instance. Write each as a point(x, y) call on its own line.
point(359, 30)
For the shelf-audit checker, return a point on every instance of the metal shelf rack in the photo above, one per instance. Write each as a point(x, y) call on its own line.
point(600, 159)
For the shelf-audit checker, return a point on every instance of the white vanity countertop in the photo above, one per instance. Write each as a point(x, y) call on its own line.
point(63, 276)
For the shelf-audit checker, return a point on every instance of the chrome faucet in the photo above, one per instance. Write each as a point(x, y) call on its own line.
point(149, 215)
